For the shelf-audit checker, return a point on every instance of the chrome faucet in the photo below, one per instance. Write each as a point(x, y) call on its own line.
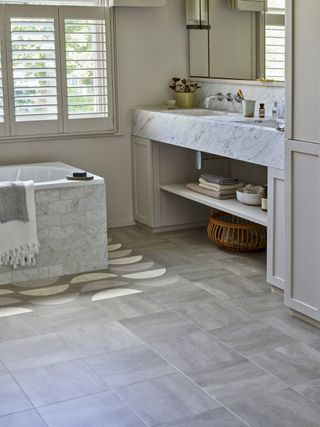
point(218, 97)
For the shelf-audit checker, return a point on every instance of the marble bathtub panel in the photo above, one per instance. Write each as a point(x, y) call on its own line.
point(72, 232)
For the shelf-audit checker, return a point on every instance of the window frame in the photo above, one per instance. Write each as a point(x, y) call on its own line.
point(63, 128)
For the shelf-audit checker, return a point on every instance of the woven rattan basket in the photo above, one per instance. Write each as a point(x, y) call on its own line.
point(236, 234)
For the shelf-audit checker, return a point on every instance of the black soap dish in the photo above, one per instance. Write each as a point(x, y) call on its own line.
point(79, 176)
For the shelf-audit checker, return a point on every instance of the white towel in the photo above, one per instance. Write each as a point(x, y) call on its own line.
point(19, 243)
point(216, 187)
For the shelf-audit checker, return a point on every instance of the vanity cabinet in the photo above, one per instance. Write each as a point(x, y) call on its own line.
point(156, 164)
point(302, 292)
point(276, 228)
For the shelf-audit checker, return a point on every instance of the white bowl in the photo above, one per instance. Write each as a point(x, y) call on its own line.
point(253, 198)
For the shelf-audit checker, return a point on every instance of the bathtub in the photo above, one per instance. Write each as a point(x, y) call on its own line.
point(71, 221)
point(45, 175)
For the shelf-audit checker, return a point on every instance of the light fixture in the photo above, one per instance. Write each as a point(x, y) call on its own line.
point(198, 14)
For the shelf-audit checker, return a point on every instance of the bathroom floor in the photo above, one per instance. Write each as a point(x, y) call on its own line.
point(175, 333)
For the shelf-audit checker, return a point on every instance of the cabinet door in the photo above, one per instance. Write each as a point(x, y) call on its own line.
point(142, 181)
point(302, 288)
point(276, 228)
point(303, 65)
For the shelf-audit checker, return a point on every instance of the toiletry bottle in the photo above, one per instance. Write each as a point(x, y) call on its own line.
point(264, 199)
point(262, 111)
point(275, 110)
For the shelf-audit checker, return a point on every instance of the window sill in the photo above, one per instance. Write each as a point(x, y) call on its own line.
point(59, 137)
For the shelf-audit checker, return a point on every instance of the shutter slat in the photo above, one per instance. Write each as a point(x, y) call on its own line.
point(34, 79)
point(275, 52)
point(86, 68)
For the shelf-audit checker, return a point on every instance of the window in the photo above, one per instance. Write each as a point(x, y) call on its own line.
point(59, 74)
point(275, 40)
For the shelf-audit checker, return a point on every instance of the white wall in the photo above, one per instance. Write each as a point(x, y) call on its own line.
point(151, 48)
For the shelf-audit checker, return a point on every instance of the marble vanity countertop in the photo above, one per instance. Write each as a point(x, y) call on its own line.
point(227, 135)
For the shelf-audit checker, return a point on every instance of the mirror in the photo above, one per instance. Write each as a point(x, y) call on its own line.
point(237, 39)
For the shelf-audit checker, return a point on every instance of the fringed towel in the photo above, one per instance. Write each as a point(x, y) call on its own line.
point(19, 243)
point(13, 202)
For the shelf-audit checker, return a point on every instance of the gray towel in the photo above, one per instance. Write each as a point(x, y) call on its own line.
point(13, 203)
point(220, 180)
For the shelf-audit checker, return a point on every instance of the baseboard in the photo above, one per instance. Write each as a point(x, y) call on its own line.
point(305, 318)
point(121, 223)
point(277, 290)
point(163, 229)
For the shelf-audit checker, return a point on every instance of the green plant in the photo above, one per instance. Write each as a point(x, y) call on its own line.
point(183, 85)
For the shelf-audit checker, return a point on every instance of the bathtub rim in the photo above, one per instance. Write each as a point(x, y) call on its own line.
point(62, 183)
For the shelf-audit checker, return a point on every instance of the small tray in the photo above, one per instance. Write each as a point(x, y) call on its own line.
point(79, 178)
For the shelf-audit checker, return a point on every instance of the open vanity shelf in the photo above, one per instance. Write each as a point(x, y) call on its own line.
point(232, 206)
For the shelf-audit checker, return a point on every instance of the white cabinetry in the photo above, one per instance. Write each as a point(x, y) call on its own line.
point(156, 164)
point(303, 82)
point(302, 171)
point(276, 228)
point(302, 291)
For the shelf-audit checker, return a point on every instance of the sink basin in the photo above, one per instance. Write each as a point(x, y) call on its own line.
point(197, 112)
point(267, 123)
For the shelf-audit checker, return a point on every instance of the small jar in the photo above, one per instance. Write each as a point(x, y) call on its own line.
point(262, 111)
point(264, 199)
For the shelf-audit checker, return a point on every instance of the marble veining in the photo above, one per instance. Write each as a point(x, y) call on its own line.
point(219, 135)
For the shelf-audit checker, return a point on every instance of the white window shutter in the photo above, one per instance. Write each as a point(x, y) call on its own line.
point(33, 69)
point(4, 123)
point(86, 69)
point(275, 46)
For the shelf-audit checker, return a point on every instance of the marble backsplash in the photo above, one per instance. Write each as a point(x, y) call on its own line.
point(262, 94)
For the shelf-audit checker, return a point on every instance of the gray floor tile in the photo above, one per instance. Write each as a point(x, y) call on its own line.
point(211, 313)
point(190, 352)
point(56, 383)
point(260, 304)
point(311, 390)
point(285, 408)
point(166, 399)
point(290, 325)
point(294, 364)
point(3, 369)
point(69, 315)
point(219, 417)
point(130, 306)
point(227, 286)
point(178, 293)
point(99, 410)
point(129, 366)
point(159, 327)
point(252, 337)
point(231, 381)
point(92, 339)
point(244, 265)
point(35, 352)
point(12, 398)
point(22, 419)
point(22, 326)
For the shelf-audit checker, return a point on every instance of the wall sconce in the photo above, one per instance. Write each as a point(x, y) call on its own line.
point(198, 14)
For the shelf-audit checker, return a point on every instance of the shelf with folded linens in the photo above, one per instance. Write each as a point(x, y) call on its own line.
point(232, 206)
